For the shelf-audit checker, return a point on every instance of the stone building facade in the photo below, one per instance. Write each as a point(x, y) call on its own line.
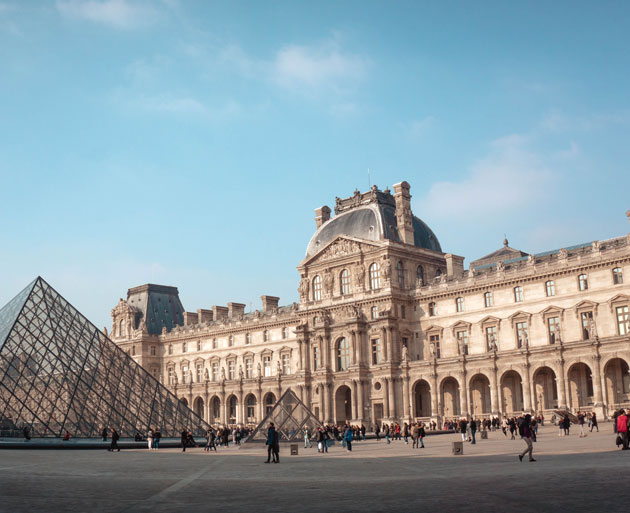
point(389, 327)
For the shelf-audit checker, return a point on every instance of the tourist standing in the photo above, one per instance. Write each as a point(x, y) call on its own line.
point(594, 422)
point(622, 428)
point(526, 435)
point(114, 444)
point(348, 438)
point(581, 418)
point(462, 428)
point(377, 431)
point(184, 439)
point(272, 442)
point(406, 433)
point(156, 439)
point(307, 438)
point(386, 430)
point(150, 439)
point(473, 430)
point(104, 434)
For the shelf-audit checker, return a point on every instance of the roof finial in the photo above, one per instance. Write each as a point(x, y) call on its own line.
point(505, 241)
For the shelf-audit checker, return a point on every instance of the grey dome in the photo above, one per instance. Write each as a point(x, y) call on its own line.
point(372, 222)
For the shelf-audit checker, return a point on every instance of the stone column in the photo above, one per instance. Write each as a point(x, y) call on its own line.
point(355, 404)
point(525, 386)
point(360, 346)
point(259, 404)
point(386, 398)
point(494, 398)
point(392, 398)
point(435, 396)
point(463, 397)
point(384, 342)
point(329, 400)
point(241, 408)
point(597, 381)
point(353, 338)
point(406, 411)
point(360, 403)
point(224, 410)
point(392, 344)
point(561, 386)
point(322, 403)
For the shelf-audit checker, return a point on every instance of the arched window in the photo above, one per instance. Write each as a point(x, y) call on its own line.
point(251, 407)
point(550, 288)
point(232, 403)
point(583, 282)
point(343, 354)
point(121, 328)
point(400, 269)
point(459, 304)
point(317, 288)
point(432, 309)
point(375, 276)
point(420, 275)
point(344, 282)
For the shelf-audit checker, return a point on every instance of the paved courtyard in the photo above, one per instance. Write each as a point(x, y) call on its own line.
point(584, 473)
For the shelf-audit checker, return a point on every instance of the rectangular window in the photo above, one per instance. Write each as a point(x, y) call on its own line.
point(199, 372)
point(462, 342)
point(171, 376)
point(184, 373)
point(459, 304)
point(623, 320)
point(550, 288)
point(214, 343)
point(491, 338)
point(374, 312)
point(249, 368)
point(518, 294)
point(345, 282)
point(315, 358)
point(286, 364)
point(231, 369)
point(153, 351)
point(522, 335)
point(583, 282)
point(267, 365)
point(587, 318)
point(434, 344)
point(432, 309)
point(170, 349)
point(184, 347)
point(553, 329)
point(376, 351)
point(403, 311)
point(215, 371)
point(617, 276)
point(488, 299)
point(198, 345)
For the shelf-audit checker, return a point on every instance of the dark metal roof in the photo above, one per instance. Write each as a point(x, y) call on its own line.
point(159, 306)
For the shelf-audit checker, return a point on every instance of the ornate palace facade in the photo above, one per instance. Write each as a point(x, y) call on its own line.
point(388, 326)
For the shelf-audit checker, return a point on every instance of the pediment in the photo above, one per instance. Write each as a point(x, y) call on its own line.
point(341, 246)
point(585, 305)
point(519, 315)
point(552, 310)
point(461, 325)
point(490, 319)
point(619, 298)
point(434, 328)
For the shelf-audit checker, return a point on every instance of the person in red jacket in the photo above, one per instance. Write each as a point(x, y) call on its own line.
point(622, 428)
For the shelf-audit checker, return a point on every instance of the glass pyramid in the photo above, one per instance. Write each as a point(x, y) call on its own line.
point(60, 374)
point(290, 416)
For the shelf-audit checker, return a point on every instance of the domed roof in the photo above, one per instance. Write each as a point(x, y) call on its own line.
point(374, 222)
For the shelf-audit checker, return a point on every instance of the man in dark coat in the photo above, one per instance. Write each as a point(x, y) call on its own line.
point(184, 439)
point(114, 444)
point(273, 446)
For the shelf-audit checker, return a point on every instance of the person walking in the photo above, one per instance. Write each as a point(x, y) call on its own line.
point(377, 431)
point(386, 430)
point(156, 439)
point(462, 428)
point(307, 438)
point(322, 440)
point(581, 418)
point(421, 435)
point(348, 438)
point(526, 435)
point(594, 422)
point(406, 433)
point(272, 441)
point(104, 434)
point(150, 439)
point(363, 432)
point(415, 435)
point(566, 425)
point(622, 428)
point(184, 439)
point(114, 444)
point(473, 430)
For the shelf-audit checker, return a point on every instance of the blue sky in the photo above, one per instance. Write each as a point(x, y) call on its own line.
point(188, 143)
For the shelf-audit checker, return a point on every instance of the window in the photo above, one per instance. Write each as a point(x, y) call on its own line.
point(286, 364)
point(432, 309)
point(152, 350)
point(184, 373)
point(403, 311)
point(285, 332)
point(623, 320)
point(617, 276)
point(248, 338)
point(266, 335)
point(231, 341)
point(553, 329)
point(267, 365)
point(215, 371)
point(199, 372)
point(491, 338)
point(343, 354)
point(459, 304)
point(171, 376)
point(316, 363)
point(375, 276)
point(522, 335)
point(231, 369)
point(550, 288)
point(133, 350)
point(462, 342)
point(184, 347)
point(214, 343)
point(438, 273)
point(518, 294)
point(587, 318)
point(232, 409)
point(170, 349)
point(420, 275)
point(583, 282)
point(488, 299)
point(376, 351)
point(317, 288)
point(249, 368)
point(251, 407)
point(434, 343)
point(344, 282)
point(374, 312)
point(121, 328)
point(400, 269)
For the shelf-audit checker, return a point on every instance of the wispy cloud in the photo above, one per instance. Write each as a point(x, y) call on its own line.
point(120, 14)
point(511, 176)
point(556, 121)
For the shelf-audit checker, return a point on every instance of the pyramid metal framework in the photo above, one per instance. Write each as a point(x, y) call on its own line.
point(60, 374)
point(290, 416)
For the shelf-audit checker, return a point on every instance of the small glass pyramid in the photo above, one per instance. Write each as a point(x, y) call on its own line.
point(290, 416)
point(60, 374)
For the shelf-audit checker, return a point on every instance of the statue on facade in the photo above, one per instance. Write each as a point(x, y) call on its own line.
point(278, 368)
point(557, 334)
point(492, 343)
point(328, 282)
point(303, 289)
point(387, 270)
point(563, 254)
point(240, 372)
point(462, 347)
point(222, 373)
point(359, 275)
point(206, 375)
point(432, 348)
point(405, 353)
point(592, 329)
point(500, 266)
point(524, 339)
point(531, 260)
point(175, 379)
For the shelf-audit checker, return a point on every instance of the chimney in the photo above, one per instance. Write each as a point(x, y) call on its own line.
point(204, 315)
point(219, 312)
point(454, 266)
point(269, 303)
point(235, 309)
point(322, 214)
point(190, 318)
point(403, 212)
